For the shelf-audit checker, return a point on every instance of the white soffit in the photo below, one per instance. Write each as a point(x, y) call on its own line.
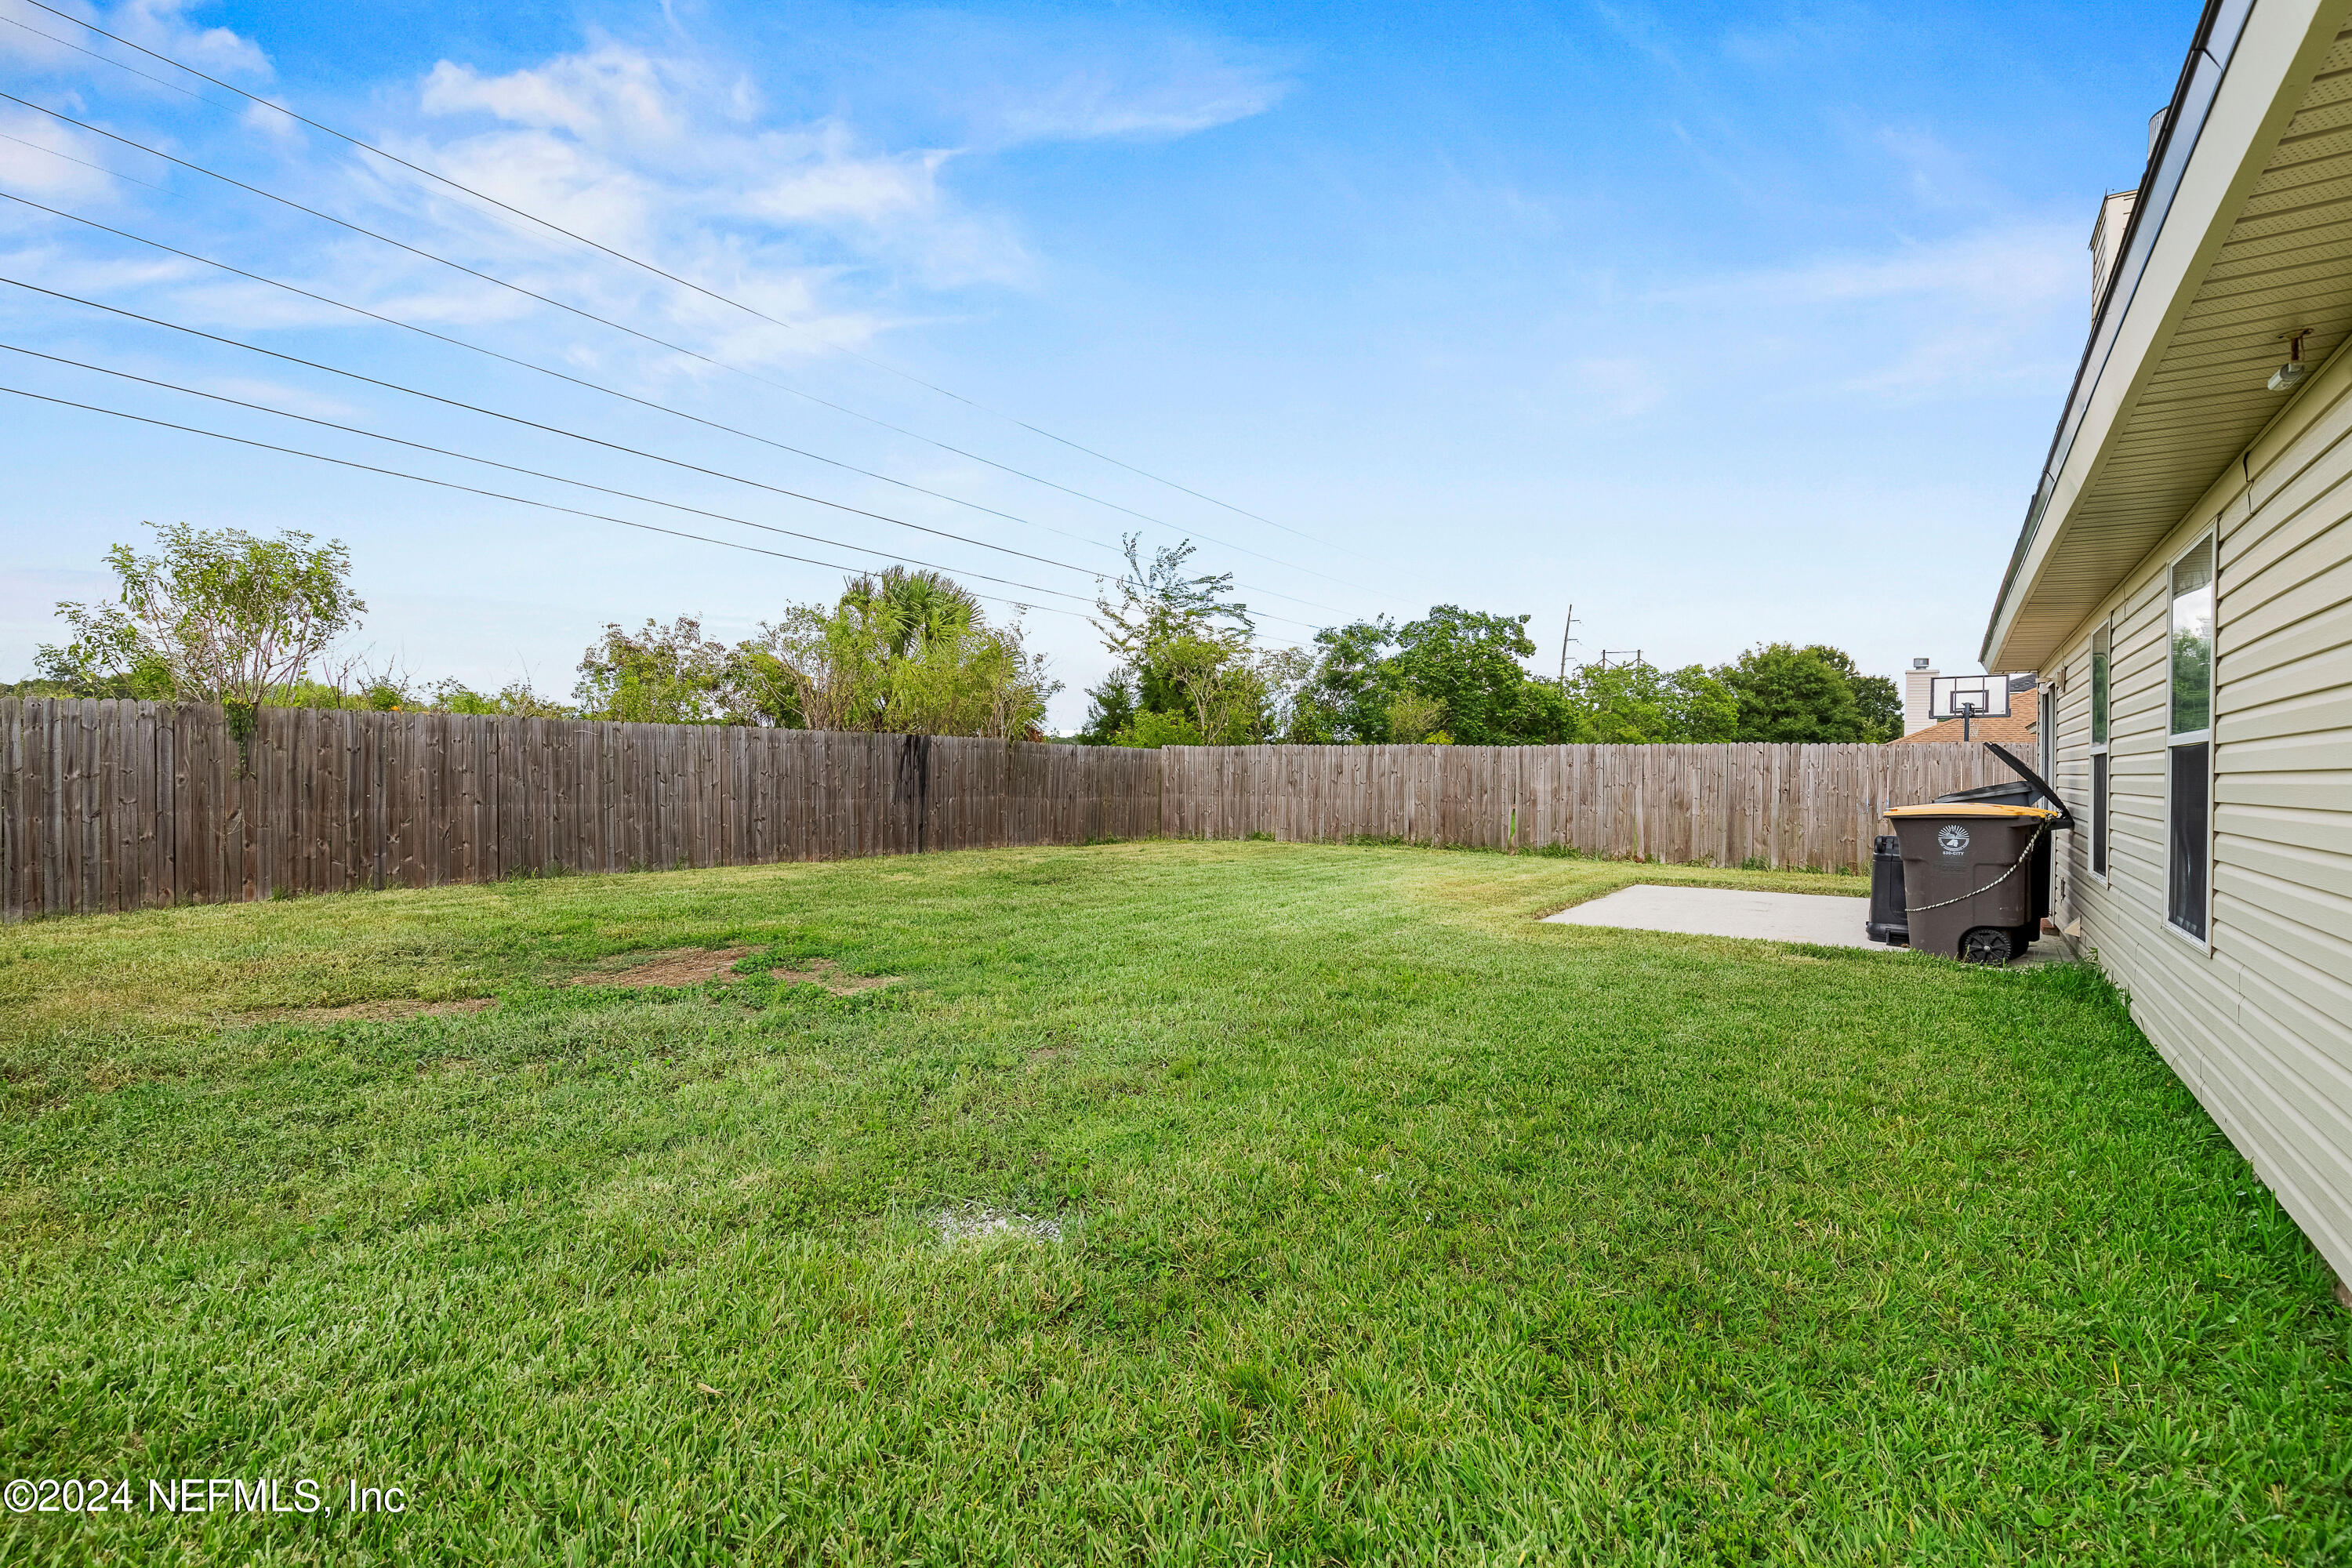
point(2284, 264)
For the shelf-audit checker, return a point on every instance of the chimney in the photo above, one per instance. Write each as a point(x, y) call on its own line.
point(2106, 239)
point(1917, 682)
point(2114, 214)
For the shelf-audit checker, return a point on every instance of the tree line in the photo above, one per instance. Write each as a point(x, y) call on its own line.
point(228, 616)
point(1189, 673)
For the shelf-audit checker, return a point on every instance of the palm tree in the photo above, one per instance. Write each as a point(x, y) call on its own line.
point(909, 610)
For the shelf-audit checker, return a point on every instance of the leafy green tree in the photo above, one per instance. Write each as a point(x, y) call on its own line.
point(1351, 694)
point(1639, 704)
point(657, 674)
point(514, 699)
point(1112, 708)
point(1880, 705)
point(1184, 648)
point(1468, 661)
point(216, 616)
point(1810, 695)
point(1414, 717)
point(1287, 708)
point(1454, 675)
point(902, 650)
point(1150, 730)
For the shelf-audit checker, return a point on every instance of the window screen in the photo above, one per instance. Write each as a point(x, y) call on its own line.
point(2184, 902)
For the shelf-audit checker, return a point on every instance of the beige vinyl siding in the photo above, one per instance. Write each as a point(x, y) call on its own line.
point(2259, 1027)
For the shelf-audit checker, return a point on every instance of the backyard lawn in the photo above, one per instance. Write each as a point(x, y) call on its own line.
point(1172, 1202)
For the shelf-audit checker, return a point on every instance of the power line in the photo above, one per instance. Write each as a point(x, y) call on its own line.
point(105, 60)
point(521, 500)
point(494, 495)
point(550, 429)
point(576, 435)
point(545, 369)
point(646, 337)
point(531, 473)
point(69, 158)
point(649, 266)
point(581, 382)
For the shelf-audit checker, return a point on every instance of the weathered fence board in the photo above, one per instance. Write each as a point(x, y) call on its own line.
point(1728, 805)
point(115, 805)
point(118, 806)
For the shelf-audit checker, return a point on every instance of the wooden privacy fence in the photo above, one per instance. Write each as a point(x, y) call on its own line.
point(123, 806)
point(1725, 804)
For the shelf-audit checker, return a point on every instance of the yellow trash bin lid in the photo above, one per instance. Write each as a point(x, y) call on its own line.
point(1968, 808)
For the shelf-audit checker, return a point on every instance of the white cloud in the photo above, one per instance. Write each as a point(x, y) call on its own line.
point(278, 394)
point(1967, 314)
point(23, 41)
point(42, 158)
point(1197, 95)
point(824, 178)
point(270, 122)
point(75, 273)
point(604, 92)
point(659, 152)
point(1095, 73)
point(161, 26)
point(666, 158)
point(2020, 266)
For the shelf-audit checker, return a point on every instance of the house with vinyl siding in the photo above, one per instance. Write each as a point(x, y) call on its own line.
point(2183, 582)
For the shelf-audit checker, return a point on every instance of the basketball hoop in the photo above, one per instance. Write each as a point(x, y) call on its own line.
point(1968, 697)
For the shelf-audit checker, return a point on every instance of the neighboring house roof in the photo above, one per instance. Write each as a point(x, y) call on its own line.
point(2016, 729)
point(2227, 252)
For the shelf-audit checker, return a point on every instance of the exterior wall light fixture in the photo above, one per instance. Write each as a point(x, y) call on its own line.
point(2292, 372)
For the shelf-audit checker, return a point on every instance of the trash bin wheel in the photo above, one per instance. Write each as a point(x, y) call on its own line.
point(1987, 945)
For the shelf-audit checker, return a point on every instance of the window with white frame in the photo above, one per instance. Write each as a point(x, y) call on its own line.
point(2101, 642)
point(2188, 753)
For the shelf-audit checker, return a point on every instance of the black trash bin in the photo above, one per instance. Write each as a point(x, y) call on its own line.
point(1889, 921)
point(1967, 877)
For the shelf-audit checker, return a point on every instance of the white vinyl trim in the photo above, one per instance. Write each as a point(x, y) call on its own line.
point(2207, 539)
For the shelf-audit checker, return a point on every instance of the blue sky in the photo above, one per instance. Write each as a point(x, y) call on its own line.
point(1725, 324)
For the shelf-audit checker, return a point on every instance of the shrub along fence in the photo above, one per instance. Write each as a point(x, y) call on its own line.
point(123, 806)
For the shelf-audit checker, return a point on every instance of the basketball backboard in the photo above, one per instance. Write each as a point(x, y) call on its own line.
point(1968, 697)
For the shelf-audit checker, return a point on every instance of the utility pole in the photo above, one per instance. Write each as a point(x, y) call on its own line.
point(1564, 640)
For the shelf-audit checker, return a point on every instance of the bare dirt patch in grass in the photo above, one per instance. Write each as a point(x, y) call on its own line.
point(381, 1010)
point(959, 1226)
point(825, 972)
point(684, 966)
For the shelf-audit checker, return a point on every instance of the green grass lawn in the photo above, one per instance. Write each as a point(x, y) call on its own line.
point(1391, 1224)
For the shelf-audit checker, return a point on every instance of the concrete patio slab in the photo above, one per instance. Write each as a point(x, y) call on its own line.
point(1816, 918)
point(1726, 911)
